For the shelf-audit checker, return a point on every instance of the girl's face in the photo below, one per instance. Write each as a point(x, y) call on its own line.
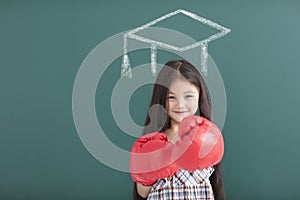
point(182, 100)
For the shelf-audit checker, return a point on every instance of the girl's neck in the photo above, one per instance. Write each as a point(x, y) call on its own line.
point(174, 128)
point(172, 133)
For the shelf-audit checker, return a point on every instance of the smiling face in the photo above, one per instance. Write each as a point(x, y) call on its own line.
point(182, 100)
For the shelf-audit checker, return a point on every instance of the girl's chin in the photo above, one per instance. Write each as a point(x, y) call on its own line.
point(177, 120)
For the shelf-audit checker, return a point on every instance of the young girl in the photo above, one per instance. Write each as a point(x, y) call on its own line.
point(181, 90)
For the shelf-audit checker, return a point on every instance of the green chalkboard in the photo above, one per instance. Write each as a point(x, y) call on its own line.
point(45, 45)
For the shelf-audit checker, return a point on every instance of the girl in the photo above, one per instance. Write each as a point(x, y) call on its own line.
point(181, 90)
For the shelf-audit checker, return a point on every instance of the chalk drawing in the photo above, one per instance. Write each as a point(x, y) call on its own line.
point(132, 34)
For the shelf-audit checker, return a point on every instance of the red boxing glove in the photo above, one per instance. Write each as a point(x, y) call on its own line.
point(201, 145)
point(150, 159)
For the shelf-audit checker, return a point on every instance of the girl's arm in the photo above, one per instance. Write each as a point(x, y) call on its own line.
point(143, 191)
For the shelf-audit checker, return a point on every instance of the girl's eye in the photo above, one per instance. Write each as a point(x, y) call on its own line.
point(189, 96)
point(171, 97)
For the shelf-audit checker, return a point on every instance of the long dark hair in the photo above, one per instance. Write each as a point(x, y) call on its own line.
point(158, 121)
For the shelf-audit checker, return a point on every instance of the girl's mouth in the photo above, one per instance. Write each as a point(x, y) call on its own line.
point(179, 112)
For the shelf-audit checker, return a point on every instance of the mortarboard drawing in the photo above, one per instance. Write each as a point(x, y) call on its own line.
point(133, 34)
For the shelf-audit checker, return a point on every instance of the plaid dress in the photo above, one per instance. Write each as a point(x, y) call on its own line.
point(184, 185)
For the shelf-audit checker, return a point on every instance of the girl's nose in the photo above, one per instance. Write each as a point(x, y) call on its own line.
point(181, 103)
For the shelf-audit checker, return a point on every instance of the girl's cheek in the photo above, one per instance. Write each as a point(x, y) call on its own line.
point(194, 104)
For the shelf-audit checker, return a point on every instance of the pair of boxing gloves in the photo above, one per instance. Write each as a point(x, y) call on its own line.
point(153, 157)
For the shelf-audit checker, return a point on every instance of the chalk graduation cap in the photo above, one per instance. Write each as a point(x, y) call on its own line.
point(133, 34)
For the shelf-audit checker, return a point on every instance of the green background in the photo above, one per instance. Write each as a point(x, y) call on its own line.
point(42, 45)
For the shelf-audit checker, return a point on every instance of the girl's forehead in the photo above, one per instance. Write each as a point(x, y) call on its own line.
point(182, 86)
point(180, 81)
